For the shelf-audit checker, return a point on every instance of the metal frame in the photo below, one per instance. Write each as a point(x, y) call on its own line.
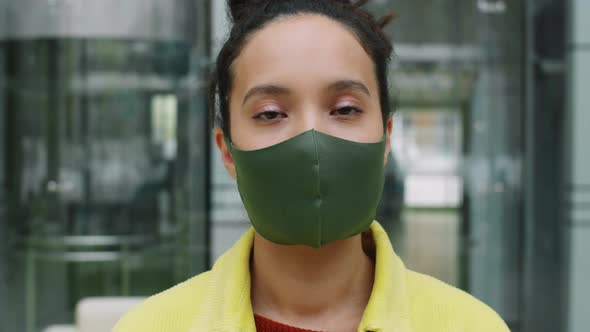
point(150, 19)
point(57, 249)
point(540, 229)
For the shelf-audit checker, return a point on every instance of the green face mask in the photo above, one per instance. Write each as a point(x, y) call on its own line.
point(311, 189)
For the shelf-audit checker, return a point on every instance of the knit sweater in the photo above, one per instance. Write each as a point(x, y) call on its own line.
point(401, 300)
point(264, 324)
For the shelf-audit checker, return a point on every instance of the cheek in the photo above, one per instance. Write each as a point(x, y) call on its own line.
point(238, 128)
point(369, 129)
point(237, 118)
point(376, 121)
point(244, 134)
point(373, 128)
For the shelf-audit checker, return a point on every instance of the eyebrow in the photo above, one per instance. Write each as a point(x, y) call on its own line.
point(266, 90)
point(349, 85)
point(271, 89)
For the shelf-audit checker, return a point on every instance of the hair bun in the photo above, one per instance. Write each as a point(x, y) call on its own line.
point(239, 9)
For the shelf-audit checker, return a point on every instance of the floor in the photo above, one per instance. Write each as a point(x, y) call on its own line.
point(428, 241)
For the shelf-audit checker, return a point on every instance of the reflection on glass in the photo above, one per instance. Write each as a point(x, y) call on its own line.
point(428, 144)
point(105, 173)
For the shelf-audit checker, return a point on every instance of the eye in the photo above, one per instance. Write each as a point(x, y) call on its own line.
point(269, 115)
point(346, 111)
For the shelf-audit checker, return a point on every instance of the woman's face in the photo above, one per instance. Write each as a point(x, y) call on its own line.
point(300, 73)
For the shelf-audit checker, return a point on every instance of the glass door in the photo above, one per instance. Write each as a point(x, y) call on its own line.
point(103, 155)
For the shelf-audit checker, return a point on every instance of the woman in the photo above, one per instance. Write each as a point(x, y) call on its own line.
point(304, 128)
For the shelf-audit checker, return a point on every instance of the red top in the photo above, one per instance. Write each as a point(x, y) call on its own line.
point(264, 324)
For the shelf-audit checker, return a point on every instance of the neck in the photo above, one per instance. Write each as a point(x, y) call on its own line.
point(302, 284)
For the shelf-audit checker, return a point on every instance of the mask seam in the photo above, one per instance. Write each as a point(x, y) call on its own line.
point(320, 229)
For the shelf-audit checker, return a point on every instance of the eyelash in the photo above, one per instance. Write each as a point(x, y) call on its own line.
point(355, 109)
point(278, 114)
point(260, 116)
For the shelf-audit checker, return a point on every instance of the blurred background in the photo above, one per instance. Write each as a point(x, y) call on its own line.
point(110, 186)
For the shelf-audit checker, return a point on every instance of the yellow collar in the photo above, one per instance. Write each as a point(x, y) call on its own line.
point(227, 306)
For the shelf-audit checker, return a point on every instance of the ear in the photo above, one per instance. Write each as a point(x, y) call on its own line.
point(388, 140)
point(226, 157)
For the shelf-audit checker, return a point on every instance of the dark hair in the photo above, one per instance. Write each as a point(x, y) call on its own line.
point(249, 16)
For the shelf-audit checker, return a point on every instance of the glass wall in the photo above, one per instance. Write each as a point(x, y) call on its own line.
point(477, 141)
point(104, 172)
point(104, 153)
point(457, 78)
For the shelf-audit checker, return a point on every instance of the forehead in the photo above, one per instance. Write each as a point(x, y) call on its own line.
point(305, 47)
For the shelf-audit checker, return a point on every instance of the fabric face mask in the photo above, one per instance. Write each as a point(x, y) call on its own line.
point(311, 189)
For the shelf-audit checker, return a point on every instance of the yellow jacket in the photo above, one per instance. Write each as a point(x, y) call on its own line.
point(401, 300)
